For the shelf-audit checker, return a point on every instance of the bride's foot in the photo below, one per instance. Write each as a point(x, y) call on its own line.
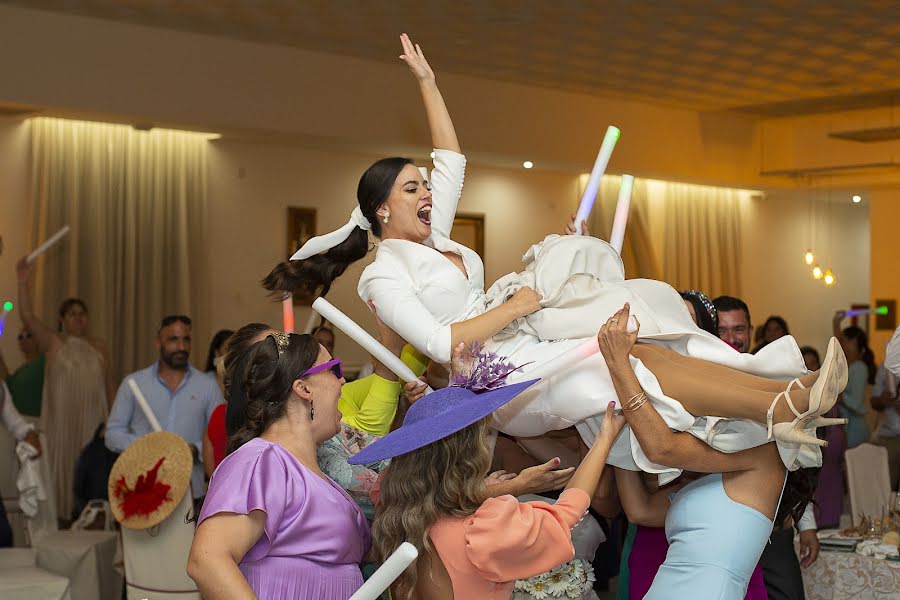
point(813, 401)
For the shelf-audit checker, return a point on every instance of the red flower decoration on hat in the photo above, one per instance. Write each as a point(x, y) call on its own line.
point(148, 493)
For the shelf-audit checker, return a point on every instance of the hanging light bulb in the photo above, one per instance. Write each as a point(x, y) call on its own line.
point(809, 257)
point(817, 272)
point(829, 277)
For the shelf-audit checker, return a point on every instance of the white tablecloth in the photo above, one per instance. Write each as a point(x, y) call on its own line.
point(850, 576)
point(86, 558)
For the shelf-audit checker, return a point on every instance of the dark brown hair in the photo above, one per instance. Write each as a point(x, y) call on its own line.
point(267, 379)
point(313, 276)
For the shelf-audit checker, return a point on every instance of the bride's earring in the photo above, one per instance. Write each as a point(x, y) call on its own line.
point(386, 218)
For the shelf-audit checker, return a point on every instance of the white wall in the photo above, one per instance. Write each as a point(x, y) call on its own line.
point(777, 281)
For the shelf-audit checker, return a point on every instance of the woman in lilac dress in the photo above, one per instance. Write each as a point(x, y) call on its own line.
point(273, 525)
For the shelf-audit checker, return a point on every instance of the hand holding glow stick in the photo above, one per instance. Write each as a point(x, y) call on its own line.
point(621, 219)
point(48, 244)
point(593, 184)
point(387, 573)
point(364, 339)
point(142, 402)
point(856, 312)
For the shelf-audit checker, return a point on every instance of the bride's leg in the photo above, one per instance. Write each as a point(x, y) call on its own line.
point(718, 397)
point(718, 371)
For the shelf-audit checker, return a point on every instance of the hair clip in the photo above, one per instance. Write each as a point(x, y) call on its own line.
point(282, 341)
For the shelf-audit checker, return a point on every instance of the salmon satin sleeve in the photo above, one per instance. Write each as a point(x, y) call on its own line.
point(508, 540)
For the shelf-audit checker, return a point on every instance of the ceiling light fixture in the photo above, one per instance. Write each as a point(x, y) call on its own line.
point(817, 272)
point(829, 277)
point(527, 164)
point(857, 199)
point(809, 257)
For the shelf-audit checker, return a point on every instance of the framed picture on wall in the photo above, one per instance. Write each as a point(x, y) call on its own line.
point(301, 226)
point(468, 230)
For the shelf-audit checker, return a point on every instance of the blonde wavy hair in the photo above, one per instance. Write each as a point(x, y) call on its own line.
point(443, 478)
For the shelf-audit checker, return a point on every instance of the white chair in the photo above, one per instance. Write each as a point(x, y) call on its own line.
point(869, 481)
point(22, 579)
point(156, 558)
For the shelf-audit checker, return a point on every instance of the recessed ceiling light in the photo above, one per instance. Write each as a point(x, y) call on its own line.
point(857, 199)
point(527, 164)
point(432, 155)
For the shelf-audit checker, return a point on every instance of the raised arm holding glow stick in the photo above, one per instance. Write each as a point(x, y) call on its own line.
point(593, 184)
point(387, 573)
point(621, 219)
point(145, 407)
point(47, 245)
point(364, 339)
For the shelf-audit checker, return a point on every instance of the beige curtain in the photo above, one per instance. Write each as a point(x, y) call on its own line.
point(702, 238)
point(638, 253)
point(136, 202)
point(687, 235)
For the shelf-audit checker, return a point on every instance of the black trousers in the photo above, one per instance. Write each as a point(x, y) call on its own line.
point(781, 568)
point(6, 537)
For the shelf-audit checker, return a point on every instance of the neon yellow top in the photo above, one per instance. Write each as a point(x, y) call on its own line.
point(370, 404)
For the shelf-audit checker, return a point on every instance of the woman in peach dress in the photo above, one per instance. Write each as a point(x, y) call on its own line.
point(433, 496)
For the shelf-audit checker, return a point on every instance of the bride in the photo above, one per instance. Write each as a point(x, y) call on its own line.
point(430, 290)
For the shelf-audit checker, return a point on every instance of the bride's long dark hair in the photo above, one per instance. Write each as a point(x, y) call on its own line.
point(313, 276)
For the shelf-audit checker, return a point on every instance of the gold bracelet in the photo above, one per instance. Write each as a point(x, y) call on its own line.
point(635, 402)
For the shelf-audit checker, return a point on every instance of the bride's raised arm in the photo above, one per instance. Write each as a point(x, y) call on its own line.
point(443, 135)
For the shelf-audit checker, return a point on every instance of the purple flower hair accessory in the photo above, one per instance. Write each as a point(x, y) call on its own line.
point(486, 370)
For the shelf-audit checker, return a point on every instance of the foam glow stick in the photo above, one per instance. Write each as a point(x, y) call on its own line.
point(287, 314)
point(855, 312)
point(46, 245)
point(593, 184)
point(7, 306)
point(311, 322)
point(621, 219)
point(362, 337)
point(387, 573)
point(573, 356)
point(142, 402)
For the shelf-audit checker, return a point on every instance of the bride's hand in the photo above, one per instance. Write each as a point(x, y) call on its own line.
point(526, 301)
point(570, 228)
point(415, 60)
point(614, 338)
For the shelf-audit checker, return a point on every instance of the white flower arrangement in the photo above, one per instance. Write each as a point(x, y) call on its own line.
point(573, 579)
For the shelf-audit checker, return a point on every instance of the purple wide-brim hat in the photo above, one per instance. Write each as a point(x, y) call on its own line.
point(437, 415)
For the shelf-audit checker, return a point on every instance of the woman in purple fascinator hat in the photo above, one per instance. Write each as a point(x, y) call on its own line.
point(434, 496)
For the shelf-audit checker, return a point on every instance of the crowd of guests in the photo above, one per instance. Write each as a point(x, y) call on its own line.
point(339, 420)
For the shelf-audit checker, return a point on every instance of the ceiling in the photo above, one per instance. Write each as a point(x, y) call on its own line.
point(768, 57)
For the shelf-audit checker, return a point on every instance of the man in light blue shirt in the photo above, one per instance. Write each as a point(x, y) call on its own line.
point(181, 398)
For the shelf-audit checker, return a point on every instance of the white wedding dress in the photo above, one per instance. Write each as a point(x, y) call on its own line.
point(419, 293)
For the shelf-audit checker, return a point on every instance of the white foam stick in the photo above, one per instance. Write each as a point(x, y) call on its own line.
point(46, 245)
point(387, 573)
point(362, 337)
point(142, 402)
point(311, 322)
point(593, 184)
point(621, 219)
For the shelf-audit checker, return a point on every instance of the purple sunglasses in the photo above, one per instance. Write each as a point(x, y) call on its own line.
point(334, 365)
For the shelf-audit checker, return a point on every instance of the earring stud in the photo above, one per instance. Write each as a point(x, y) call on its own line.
point(386, 218)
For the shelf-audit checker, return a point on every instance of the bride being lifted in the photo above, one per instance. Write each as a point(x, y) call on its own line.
point(430, 290)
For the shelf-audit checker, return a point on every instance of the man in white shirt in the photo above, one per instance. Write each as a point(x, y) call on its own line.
point(779, 561)
point(885, 400)
point(23, 431)
point(892, 357)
